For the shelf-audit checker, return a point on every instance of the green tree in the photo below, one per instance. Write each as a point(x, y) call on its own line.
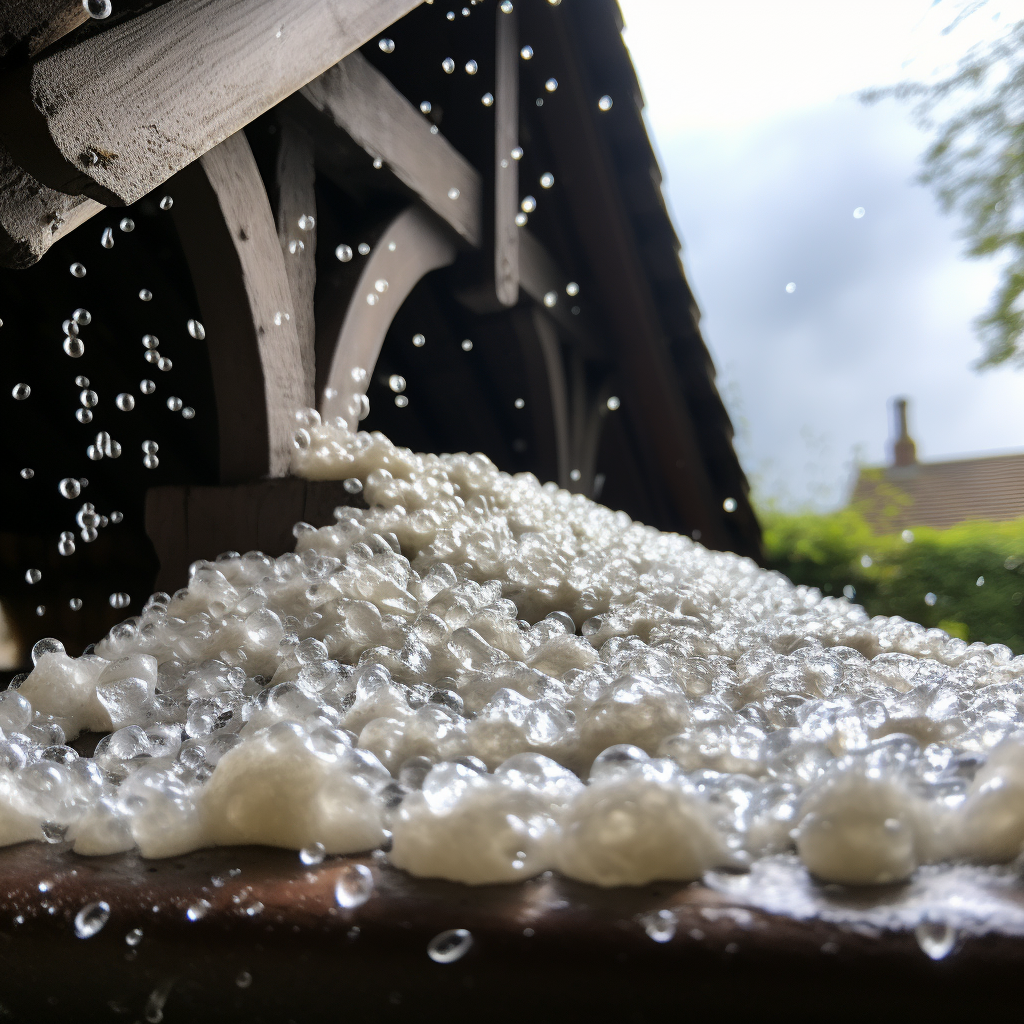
point(976, 167)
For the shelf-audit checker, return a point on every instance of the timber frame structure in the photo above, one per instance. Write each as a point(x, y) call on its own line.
point(280, 130)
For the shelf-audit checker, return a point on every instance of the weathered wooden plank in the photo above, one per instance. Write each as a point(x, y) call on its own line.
point(187, 523)
point(117, 114)
point(32, 216)
point(295, 209)
point(230, 240)
point(362, 300)
point(506, 169)
point(357, 98)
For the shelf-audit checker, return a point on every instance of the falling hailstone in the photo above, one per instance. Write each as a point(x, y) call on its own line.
point(729, 504)
point(27, 474)
point(467, 346)
point(937, 940)
point(605, 103)
point(134, 937)
point(551, 84)
point(98, 9)
point(471, 67)
point(107, 238)
point(147, 387)
point(66, 544)
point(314, 854)
point(343, 253)
point(119, 600)
point(363, 248)
point(33, 576)
point(387, 45)
point(396, 383)
point(91, 918)
point(401, 401)
point(69, 487)
point(127, 225)
point(419, 340)
point(506, 6)
point(519, 403)
point(550, 298)
point(125, 402)
point(613, 402)
point(791, 287)
point(307, 222)
point(82, 316)
point(487, 99)
point(547, 179)
point(660, 925)
point(83, 416)
point(77, 270)
point(449, 946)
point(572, 288)
point(174, 403)
point(74, 347)
point(145, 294)
point(448, 65)
point(243, 979)
point(75, 604)
point(353, 485)
point(354, 886)
point(859, 212)
point(197, 330)
point(528, 205)
point(453, 193)
point(526, 52)
point(188, 413)
point(198, 910)
point(166, 203)
point(20, 392)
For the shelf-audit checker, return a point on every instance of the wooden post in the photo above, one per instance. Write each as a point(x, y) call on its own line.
point(506, 169)
point(230, 240)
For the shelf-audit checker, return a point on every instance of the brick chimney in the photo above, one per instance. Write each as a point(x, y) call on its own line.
point(904, 451)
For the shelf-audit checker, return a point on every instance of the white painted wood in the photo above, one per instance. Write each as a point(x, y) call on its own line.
point(117, 114)
point(420, 245)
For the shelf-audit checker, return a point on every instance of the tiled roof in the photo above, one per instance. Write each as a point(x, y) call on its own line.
point(941, 494)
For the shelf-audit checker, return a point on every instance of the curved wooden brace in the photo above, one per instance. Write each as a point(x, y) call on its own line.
point(230, 240)
point(352, 332)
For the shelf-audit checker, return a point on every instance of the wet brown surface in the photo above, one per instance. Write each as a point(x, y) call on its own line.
point(587, 958)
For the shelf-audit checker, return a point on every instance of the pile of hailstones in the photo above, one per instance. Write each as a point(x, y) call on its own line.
point(490, 678)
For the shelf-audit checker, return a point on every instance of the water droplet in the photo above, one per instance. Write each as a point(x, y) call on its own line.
point(419, 340)
point(605, 103)
point(506, 6)
point(20, 392)
point(314, 854)
point(613, 402)
point(550, 298)
point(487, 99)
point(174, 403)
point(450, 946)
point(517, 153)
point(119, 600)
point(197, 330)
point(387, 45)
point(859, 212)
point(91, 918)
point(98, 9)
point(519, 403)
point(547, 179)
point(791, 287)
point(82, 316)
point(453, 193)
point(27, 474)
point(343, 253)
point(660, 925)
point(307, 222)
point(528, 205)
point(729, 504)
point(353, 485)
point(125, 402)
point(363, 249)
point(134, 937)
point(75, 604)
point(198, 910)
point(526, 52)
point(396, 383)
point(145, 294)
point(471, 67)
point(467, 345)
point(69, 487)
point(127, 225)
point(77, 270)
point(147, 387)
point(33, 576)
point(188, 413)
point(936, 940)
point(354, 886)
point(448, 65)
point(107, 239)
point(66, 544)
point(166, 203)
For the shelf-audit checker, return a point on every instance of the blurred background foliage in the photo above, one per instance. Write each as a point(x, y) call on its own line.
point(967, 580)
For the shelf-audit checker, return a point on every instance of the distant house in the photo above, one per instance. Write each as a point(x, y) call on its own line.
point(938, 494)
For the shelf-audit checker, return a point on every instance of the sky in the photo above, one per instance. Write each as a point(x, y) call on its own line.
point(767, 152)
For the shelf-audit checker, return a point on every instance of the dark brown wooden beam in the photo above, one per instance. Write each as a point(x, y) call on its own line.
point(117, 114)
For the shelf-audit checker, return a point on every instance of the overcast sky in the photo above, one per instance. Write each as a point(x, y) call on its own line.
point(766, 154)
